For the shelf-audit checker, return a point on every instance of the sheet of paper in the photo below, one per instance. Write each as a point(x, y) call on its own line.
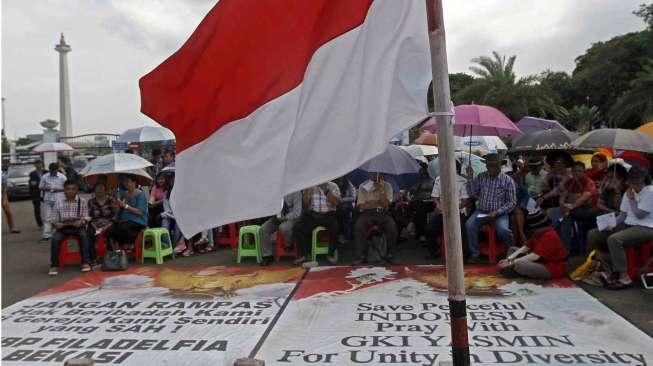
point(482, 215)
point(606, 222)
point(368, 186)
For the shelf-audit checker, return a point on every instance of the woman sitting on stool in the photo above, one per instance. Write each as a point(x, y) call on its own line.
point(544, 255)
point(132, 217)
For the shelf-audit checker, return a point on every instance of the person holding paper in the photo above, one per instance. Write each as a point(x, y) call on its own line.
point(291, 210)
point(374, 197)
point(543, 256)
point(577, 203)
point(496, 197)
point(637, 215)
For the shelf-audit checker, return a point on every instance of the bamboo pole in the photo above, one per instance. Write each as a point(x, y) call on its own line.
point(449, 191)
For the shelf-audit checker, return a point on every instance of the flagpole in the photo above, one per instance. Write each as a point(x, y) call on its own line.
point(449, 191)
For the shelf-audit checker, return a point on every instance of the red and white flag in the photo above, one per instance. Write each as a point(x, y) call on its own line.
point(268, 97)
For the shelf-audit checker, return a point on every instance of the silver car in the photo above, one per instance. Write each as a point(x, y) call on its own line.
point(17, 179)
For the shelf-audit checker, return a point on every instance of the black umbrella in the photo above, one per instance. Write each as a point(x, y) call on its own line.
point(544, 140)
point(615, 138)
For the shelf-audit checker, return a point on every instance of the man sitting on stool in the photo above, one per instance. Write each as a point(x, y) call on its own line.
point(320, 202)
point(284, 221)
point(374, 197)
point(69, 218)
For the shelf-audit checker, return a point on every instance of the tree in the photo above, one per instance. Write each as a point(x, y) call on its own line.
point(23, 141)
point(498, 86)
point(579, 118)
point(560, 87)
point(459, 81)
point(635, 106)
point(645, 12)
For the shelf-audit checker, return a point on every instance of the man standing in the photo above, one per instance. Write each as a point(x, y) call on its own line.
point(374, 197)
point(69, 218)
point(168, 159)
point(496, 197)
point(34, 180)
point(320, 202)
point(284, 221)
point(51, 185)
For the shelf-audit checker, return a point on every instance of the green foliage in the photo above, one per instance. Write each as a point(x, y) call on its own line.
point(579, 118)
point(23, 141)
point(645, 12)
point(636, 104)
point(5, 143)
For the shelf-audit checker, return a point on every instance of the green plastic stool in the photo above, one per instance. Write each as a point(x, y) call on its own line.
point(318, 248)
point(245, 247)
point(161, 244)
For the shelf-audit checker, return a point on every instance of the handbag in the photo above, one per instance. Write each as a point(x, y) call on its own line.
point(114, 260)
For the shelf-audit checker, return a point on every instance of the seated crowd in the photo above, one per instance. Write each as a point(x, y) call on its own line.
point(541, 211)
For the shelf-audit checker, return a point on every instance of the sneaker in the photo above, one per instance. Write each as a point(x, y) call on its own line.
point(86, 267)
point(267, 261)
point(333, 259)
point(188, 252)
point(53, 271)
point(310, 264)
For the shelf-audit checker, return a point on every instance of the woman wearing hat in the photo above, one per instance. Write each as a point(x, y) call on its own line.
point(543, 257)
point(637, 215)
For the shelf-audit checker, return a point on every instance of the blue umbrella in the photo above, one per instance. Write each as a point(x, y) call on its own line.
point(394, 162)
point(531, 124)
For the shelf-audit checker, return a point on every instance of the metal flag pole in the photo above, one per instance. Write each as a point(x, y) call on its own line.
point(449, 191)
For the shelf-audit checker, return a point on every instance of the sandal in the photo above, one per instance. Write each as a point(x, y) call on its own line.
point(299, 261)
point(209, 248)
point(187, 253)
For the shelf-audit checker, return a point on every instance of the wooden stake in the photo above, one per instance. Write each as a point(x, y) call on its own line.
point(449, 191)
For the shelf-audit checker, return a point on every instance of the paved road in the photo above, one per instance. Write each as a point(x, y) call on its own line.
point(25, 263)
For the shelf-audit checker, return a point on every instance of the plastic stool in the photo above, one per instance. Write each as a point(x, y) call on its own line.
point(636, 257)
point(245, 247)
point(318, 248)
point(228, 237)
point(66, 256)
point(137, 252)
point(160, 248)
point(492, 248)
point(281, 249)
point(101, 243)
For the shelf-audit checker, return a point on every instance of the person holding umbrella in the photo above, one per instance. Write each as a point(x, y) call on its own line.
point(133, 215)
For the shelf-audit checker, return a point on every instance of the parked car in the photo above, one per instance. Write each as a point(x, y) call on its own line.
point(17, 178)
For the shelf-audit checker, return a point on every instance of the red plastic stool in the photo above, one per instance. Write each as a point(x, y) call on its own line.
point(66, 256)
point(138, 247)
point(281, 249)
point(491, 248)
point(101, 243)
point(636, 257)
point(228, 237)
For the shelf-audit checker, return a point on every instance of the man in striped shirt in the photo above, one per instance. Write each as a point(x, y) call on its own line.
point(496, 197)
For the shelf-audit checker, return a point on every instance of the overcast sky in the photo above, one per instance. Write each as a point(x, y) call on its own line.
point(114, 42)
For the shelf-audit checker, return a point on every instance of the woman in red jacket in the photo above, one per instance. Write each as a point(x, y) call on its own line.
point(543, 257)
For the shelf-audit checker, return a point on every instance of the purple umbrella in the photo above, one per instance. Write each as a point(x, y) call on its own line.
point(479, 120)
point(530, 124)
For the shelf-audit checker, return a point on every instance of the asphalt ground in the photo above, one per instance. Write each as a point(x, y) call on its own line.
point(25, 263)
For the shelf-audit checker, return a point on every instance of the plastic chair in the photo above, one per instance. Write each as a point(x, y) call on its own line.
point(318, 247)
point(281, 249)
point(228, 237)
point(491, 248)
point(101, 244)
point(67, 256)
point(161, 244)
point(636, 257)
point(245, 246)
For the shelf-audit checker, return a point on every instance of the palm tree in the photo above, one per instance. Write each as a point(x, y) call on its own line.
point(638, 100)
point(497, 85)
point(579, 118)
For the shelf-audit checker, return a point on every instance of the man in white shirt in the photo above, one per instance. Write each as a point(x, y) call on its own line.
point(434, 230)
point(637, 215)
point(51, 185)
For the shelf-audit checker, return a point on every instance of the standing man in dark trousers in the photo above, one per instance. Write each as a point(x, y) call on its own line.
point(34, 180)
point(320, 203)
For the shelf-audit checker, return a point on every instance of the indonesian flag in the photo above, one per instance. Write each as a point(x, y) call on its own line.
point(268, 97)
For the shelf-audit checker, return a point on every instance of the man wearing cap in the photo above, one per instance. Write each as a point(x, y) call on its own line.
point(543, 256)
point(495, 195)
point(637, 215)
point(535, 177)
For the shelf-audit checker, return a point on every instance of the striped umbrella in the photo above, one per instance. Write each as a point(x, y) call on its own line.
point(615, 138)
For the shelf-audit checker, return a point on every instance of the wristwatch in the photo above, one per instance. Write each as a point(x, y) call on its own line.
point(126, 207)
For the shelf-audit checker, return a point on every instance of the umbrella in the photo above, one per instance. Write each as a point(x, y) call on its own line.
point(52, 147)
point(478, 120)
point(141, 175)
point(427, 138)
point(146, 133)
point(115, 163)
point(465, 158)
point(396, 162)
point(615, 138)
point(544, 140)
point(418, 152)
point(488, 143)
point(646, 128)
point(530, 124)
